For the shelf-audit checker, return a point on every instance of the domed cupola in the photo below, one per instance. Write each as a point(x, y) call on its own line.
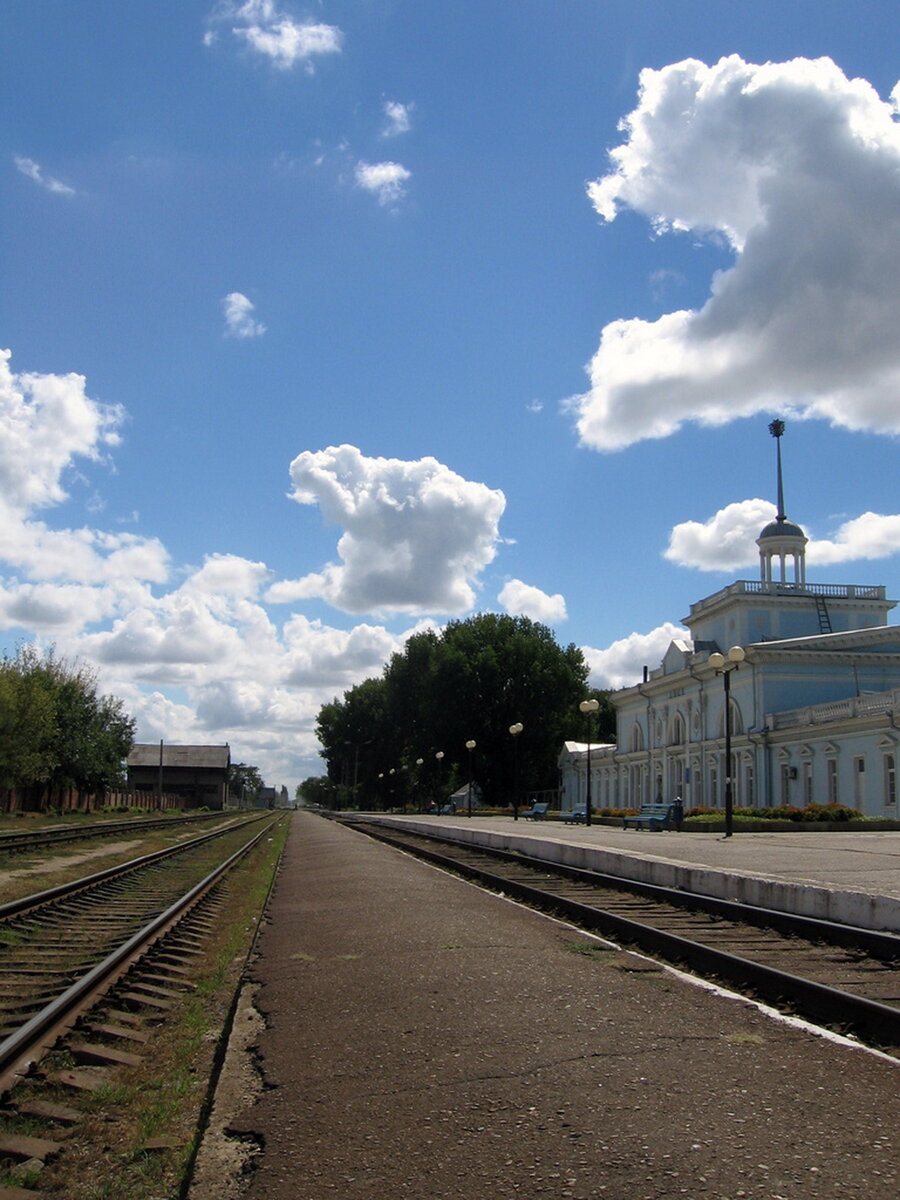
point(782, 542)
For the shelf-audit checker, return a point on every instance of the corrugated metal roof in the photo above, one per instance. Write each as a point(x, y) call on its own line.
point(147, 755)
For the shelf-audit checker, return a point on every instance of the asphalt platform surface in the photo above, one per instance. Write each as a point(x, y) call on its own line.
point(424, 1039)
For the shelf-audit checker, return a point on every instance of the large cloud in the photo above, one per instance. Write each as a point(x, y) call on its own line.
point(416, 534)
point(46, 421)
point(194, 654)
point(727, 541)
point(622, 664)
point(797, 168)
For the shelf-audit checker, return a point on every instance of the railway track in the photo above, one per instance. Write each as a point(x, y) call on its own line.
point(40, 839)
point(838, 976)
point(88, 968)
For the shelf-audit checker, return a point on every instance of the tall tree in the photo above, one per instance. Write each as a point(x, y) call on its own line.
point(471, 682)
point(56, 730)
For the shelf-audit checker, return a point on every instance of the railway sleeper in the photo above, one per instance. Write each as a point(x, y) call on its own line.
point(96, 1055)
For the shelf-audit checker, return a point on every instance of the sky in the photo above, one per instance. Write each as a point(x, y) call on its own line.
point(325, 323)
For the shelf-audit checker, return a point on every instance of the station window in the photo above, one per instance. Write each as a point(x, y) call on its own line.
point(785, 783)
point(890, 781)
point(832, 770)
point(807, 782)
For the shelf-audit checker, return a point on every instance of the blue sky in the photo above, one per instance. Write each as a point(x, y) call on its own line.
point(328, 322)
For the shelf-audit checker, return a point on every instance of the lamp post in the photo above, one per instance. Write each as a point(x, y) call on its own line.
point(723, 665)
point(419, 762)
point(515, 730)
point(470, 746)
point(439, 755)
point(588, 707)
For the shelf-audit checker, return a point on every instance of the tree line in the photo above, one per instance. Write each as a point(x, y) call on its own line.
point(401, 740)
point(56, 731)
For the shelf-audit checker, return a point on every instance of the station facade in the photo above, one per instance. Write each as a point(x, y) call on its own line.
point(813, 692)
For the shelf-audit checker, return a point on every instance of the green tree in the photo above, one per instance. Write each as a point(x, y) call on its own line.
point(495, 671)
point(317, 790)
point(470, 682)
point(56, 730)
point(244, 783)
point(358, 743)
point(27, 721)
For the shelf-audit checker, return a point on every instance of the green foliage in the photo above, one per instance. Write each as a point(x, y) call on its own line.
point(785, 812)
point(318, 790)
point(244, 783)
point(55, 730)
point(471, 681)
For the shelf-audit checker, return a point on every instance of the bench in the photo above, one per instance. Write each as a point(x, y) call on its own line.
point(537, 812)
point(651, 816)
point(574, 816)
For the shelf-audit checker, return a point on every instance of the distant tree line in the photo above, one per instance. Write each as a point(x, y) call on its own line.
point(400, 740)
point(56, 731)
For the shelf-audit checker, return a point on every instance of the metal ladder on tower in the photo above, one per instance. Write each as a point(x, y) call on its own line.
point(824, 618)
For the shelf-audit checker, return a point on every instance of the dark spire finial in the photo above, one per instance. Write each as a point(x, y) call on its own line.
point(777, 429)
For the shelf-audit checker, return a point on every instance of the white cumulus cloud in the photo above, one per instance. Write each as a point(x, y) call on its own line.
point(239, 319)
point(727, 541)
point(47, 421)
point(386, 180)
point(622, 664)
point(797, 168)
point(416, 534)
point(872, 535)
point(193, 652)
point(522, 600)
point(276, 35)
point(398, 118)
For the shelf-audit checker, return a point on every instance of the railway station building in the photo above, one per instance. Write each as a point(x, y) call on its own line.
point(811, 676)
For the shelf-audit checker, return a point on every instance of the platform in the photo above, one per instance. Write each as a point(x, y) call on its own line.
point(425, 1040)
point(849, 877)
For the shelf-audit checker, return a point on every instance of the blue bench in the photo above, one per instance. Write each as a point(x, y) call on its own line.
point(651, 816)
point(537, 812)
point(574, 816)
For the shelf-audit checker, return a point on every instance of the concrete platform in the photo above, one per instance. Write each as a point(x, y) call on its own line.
point(427, 1040)
point(849, 877)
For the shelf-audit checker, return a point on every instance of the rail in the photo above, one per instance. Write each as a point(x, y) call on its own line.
point(827, 955)
point(22, 1047)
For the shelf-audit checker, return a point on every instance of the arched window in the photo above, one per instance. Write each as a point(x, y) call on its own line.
point(737, 721)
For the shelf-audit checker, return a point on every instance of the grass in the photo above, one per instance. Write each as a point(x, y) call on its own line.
point(589, 949)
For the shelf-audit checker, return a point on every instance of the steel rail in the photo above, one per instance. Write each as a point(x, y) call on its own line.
point(818, 1002)
point(22, 1048)
point(14, 908)
point(25, 839)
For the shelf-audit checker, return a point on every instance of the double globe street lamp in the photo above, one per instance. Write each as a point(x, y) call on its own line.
point(588, 707)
